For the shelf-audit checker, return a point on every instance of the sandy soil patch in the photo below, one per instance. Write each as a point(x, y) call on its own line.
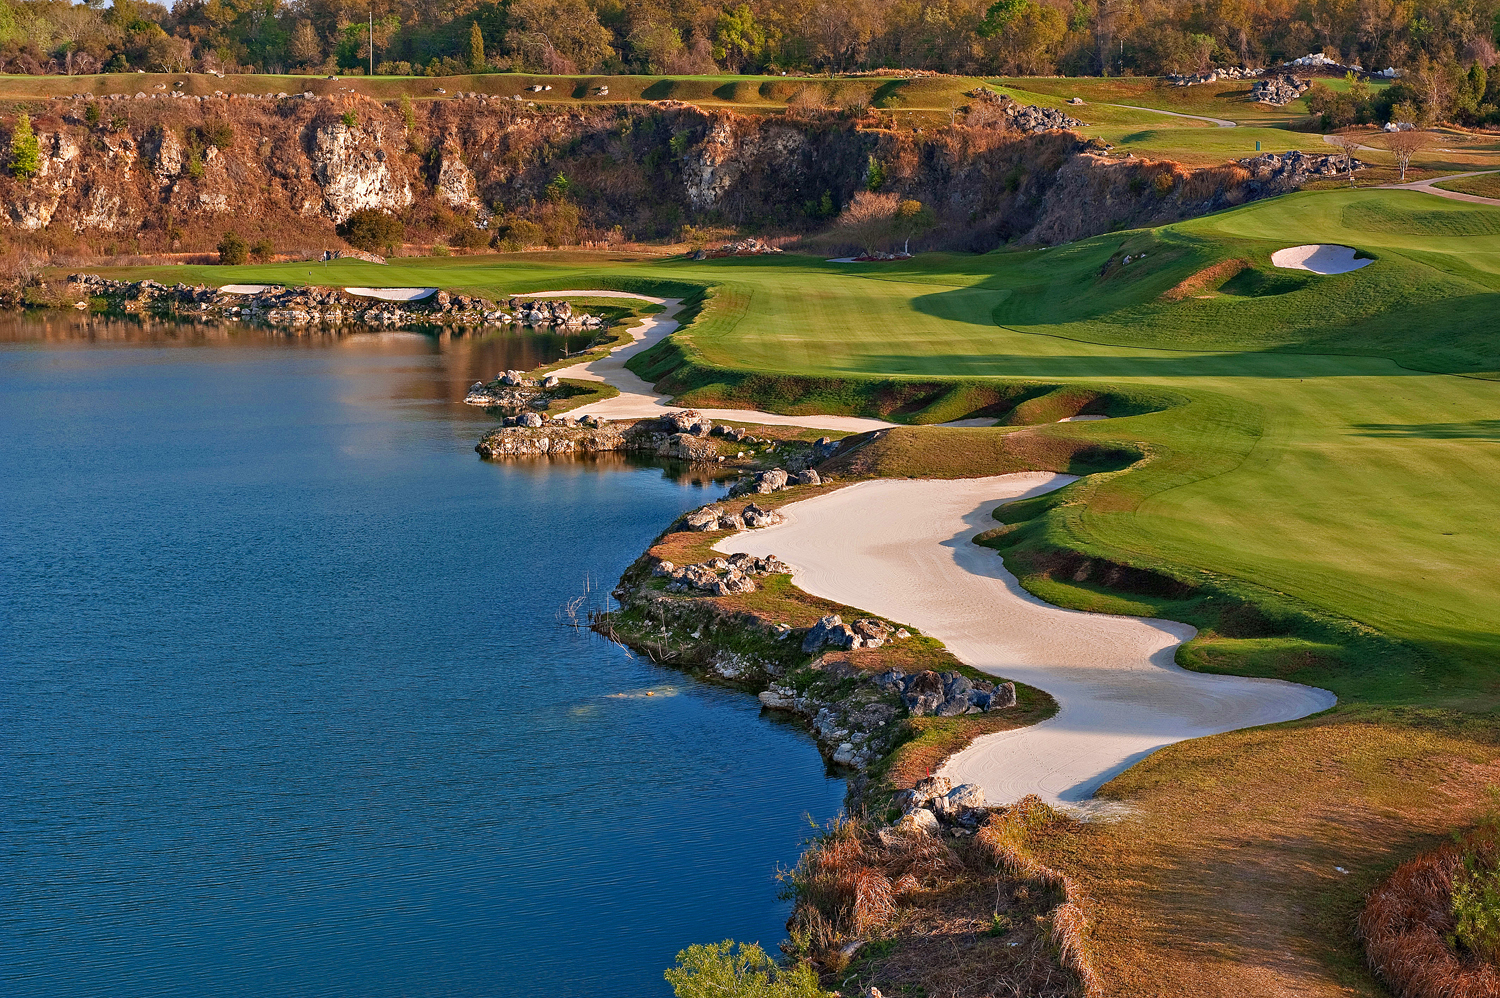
point(392, 294)
point(1320, 258)
point(246, 289)
point(904, 549)
point(1080, 419)
point(638, 400)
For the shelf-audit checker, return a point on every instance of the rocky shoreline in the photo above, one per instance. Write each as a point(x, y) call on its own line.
point(683, 435)
point(857, 715)
point(322, 306)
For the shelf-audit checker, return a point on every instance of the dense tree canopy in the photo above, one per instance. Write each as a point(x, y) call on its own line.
point(707, 36)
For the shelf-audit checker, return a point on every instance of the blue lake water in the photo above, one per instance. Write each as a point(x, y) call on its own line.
point(285, 708)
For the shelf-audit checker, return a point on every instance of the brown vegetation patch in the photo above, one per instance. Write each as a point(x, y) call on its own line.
point(1406, 926)
point(1246, 856)
point(1207, 279)
point(939, 914)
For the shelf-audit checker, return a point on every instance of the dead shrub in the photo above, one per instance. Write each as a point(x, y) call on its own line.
point(1406, 925)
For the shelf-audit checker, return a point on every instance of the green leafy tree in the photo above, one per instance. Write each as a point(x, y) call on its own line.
point(371, 229)
point(875, 175)
point(738, 38)
point(1001, 16)
point(233, 250)
point(558, 189)
point(25, 150)
point(476, 47)
point(728, 970)
point(912, 219)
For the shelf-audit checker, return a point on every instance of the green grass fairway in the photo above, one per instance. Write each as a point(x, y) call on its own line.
point(1335, 439)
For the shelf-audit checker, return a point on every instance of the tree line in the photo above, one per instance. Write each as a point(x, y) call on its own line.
point(971, 37)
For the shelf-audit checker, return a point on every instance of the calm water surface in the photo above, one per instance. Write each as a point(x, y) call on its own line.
point(285, 710)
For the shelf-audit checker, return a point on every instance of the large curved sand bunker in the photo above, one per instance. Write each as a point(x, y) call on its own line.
point(1320, 258)
point(904, 550)
point(392, 294)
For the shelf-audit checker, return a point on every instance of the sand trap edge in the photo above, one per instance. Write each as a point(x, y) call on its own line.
point(1319, 258)
point(392, 294)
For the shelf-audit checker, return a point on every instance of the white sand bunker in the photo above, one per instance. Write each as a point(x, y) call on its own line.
point(1320, 258)
point(392, 294)
point(904, 549)
point(246, 289)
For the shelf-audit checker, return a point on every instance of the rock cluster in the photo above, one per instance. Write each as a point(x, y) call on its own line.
point(1026, 117)
point(311, 305)
point(775, 480)
point(854, 725)
point(1213, 76)
point(1278, 90)
point(721, 576)
point(530, 435)
point(718, 518)
point(832, 632)
point(946, 694)
point(1030, 118)
point(530, 312)
point(1294, 167)
point(935, 800)
point(747, 247)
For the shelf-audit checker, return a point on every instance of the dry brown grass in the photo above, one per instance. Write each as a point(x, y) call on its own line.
point(1406, 924)
point(1224, 879)
point(1206, 280)
point(939, 914)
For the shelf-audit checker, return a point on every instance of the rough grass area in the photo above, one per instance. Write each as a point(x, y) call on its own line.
point(1432, 929)
point(941, 915)
point(1486, 185)
point(1244, 859)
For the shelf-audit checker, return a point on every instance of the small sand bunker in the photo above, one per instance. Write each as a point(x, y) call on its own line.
point(246, 289)
point(1320, 258)
point(1080, 419)
point(392, 294)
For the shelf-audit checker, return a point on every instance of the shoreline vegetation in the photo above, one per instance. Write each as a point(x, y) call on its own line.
point(1248, 410)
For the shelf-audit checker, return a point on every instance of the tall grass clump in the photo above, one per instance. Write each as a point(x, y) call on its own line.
point(848, 882)
point(1433, 929)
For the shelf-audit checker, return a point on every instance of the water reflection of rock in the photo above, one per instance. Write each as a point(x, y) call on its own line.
point(462, 359)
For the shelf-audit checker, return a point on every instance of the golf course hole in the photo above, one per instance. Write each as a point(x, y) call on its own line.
point(392, 294)
point(1320, 258)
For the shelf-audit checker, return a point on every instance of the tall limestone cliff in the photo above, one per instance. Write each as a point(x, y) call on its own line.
point(160, 174)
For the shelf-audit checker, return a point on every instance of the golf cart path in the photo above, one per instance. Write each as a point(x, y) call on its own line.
point(1427, 185)
point(904, 549)
point(638, 400)
point(1221, 122)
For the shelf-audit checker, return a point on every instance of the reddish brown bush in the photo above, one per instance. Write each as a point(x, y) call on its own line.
point(1406, 925)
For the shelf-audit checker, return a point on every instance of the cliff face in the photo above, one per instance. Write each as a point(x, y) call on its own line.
point(160, 174)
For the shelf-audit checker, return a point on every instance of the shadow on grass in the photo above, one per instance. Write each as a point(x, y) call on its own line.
point(1166, 364)
point(1474, 429)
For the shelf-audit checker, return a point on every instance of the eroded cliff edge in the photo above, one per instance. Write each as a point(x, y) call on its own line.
point(152, 173)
